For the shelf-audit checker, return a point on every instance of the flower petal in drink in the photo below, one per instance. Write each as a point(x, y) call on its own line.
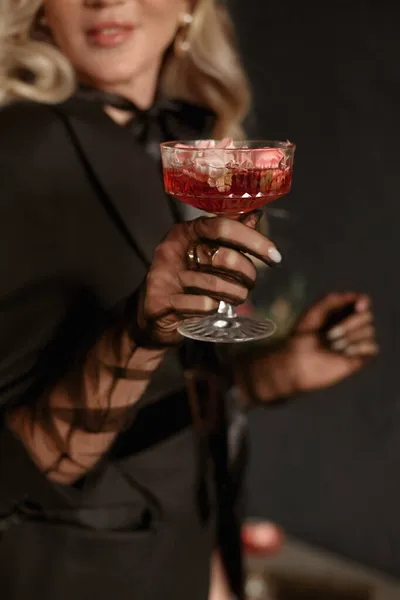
point(205, 144)
point(185, 157)
point(268, 158)
point(226, 143)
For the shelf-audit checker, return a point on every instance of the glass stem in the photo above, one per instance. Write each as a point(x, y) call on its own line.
point(226, 310)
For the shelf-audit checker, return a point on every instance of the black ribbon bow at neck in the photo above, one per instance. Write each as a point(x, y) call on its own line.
point(167, 119)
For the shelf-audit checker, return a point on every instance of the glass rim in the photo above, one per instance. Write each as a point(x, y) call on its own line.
point(239, 145)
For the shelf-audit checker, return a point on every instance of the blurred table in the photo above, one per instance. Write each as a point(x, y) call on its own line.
point(301, 572)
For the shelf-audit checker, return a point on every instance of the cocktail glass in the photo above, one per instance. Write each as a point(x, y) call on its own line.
point(230, 179)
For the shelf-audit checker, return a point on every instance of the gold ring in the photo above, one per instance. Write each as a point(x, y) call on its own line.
point(192, 257)
point(212, 252)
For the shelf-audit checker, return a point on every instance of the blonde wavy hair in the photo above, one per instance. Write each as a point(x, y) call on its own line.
point(210, 73)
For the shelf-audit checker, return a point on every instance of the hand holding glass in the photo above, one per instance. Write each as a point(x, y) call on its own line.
point(229, 179)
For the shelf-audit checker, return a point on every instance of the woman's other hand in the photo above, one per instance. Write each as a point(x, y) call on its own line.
point(322, 358)
point(314, 357)
point(177, 288)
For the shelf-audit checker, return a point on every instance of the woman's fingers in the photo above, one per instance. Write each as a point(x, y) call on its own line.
point(208, 284)
point(358, 342)
point(363, 349)
point(331, 305)
point(228, 263)
point(357, 335)
point(234, 234)
point(197, 265)
point(350, 324)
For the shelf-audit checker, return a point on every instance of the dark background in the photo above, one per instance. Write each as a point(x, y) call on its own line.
point(326, 75)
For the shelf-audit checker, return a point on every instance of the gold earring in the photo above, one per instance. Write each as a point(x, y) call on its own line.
point(182, 43)
point(41, 19)
point(41, 28)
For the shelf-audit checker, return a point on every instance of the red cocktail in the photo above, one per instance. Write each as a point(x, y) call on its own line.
point(248, 189)
point(227, 178)
point(228, 181)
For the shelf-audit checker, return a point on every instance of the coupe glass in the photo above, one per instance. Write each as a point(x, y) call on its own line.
point(230, 179)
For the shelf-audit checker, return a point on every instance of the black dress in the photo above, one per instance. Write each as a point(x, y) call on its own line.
point(82, 209)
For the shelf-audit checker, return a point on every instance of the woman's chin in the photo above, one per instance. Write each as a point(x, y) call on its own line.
point(110, 72)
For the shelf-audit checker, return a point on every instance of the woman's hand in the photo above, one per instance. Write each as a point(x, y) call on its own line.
point(314, 358)
point(177, 288)
point(321, 360)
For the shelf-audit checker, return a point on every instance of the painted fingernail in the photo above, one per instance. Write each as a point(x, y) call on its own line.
point(339, 344)
point(275, 255)
point(335, 333)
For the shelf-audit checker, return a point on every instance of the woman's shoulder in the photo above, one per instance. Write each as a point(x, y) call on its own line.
point(22, 116)
point(34, 151)
point(28, 126)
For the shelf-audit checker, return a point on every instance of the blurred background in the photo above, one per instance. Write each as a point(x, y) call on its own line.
point(326, 75)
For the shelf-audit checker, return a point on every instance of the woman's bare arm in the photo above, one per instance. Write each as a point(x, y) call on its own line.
point(101, 392)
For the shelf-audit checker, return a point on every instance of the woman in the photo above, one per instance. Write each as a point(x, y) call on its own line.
point(114, 467)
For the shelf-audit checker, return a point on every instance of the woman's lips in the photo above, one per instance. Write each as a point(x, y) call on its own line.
point(109, 35)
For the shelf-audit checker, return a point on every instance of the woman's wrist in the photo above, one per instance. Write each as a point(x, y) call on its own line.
point(139, 329)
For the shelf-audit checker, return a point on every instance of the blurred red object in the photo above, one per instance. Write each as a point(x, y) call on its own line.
point(262, 538)
point(245, 310)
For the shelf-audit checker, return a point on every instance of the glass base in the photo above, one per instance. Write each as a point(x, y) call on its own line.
point(222, 329)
